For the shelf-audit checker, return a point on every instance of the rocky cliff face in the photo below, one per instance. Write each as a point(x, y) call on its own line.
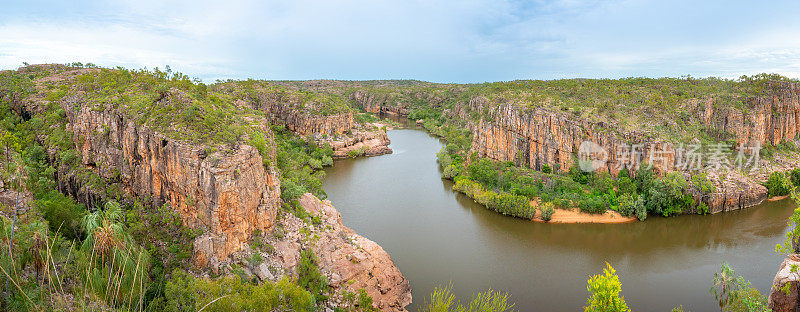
point(227, 195)
point(350, 261)
point(366, 140)
point(299, 120)
point(379, 103)
point(773, 119)
point(779, 300)
point(535, 137)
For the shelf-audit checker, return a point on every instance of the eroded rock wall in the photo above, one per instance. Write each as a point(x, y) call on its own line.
point(227, 195)
point(535, 137)
point(299, 120)
point(350, 261)
point(783, 295)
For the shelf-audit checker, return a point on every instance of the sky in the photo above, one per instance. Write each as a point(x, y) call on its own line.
point(464, 41)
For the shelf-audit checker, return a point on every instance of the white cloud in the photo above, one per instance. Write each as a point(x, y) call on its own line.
point(470, 40)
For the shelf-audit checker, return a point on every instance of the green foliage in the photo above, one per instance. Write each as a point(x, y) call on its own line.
point(309, 276)
point(791, 243)
point(795, 176)
point(778, 184)
point(62, 214)
point(450, 172)
point(639, 208)
point(604, 292)
point(484, 172)
point(702, 183)
point(627, 204)
point(356, 302)
point(546, 211)
point(593, 205)
point(442, 299)
point(734, 293)
point(184, 292)
point(625, 185)
point(299, 162)
point(502, 202)
point(546, 168)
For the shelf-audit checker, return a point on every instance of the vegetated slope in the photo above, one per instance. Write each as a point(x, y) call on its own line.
point(143, 155)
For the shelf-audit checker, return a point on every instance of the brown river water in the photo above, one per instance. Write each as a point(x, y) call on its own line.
point(437, 236)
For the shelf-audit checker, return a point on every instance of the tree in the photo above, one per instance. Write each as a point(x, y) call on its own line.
point(778, 184)
point(644, 178)
point(309, 277)
point(725, 285)
point(604, 292)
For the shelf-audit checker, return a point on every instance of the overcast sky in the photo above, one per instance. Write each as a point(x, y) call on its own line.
point(441, 41)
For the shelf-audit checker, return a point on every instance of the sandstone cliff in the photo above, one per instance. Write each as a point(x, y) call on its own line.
point(228, 194)
point(226, 190)
point(350, 261)
point(779, 300)
point(366, 140)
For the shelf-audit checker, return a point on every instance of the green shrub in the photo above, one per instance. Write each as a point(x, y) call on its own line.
point(184, 292)
point(546, 168)
point(778, 184)
point(627, 204)
point(484, 172)
point(62, 214)
point(291, 190)
point(309, 276)
point(546, 211)
point(639, 208)
point(604, 292)
point(327, 161)
point(593, 205)
point(450, 172)
point(702, 209)
point(625, 185)
point(442, 299)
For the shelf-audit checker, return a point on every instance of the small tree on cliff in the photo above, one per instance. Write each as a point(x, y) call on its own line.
point(604, 292)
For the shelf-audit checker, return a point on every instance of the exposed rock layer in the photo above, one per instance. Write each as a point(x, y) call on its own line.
point(350, 261)
point(228, 195)
point(780, 301)
point(299, 120)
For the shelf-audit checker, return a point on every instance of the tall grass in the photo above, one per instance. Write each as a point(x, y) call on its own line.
point(442, 299)
point(46, 272)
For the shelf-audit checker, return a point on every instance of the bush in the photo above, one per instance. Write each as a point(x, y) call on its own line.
point(546, 210)
point(644, 178)
point(327, 161)
point(184, 292)
point(604, 292)
point(593, 205)
point(484, 172)
point(309, 277)
point(625, 185)
point(778, 184)
point(639, 209)
point(505, 203)
point(62, 214)
point(627, 204)
point(546, 168)
point(450, 172)
point(442, 299)
point(795, 176)
point(603, 183)
point(291, 190)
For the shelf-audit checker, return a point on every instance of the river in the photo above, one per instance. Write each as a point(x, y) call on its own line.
point(437, 236)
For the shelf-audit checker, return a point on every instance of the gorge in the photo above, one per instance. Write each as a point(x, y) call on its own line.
point(239, 166)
